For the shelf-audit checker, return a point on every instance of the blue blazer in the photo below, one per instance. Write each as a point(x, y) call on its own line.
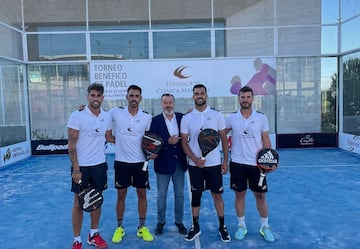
point(169, 154)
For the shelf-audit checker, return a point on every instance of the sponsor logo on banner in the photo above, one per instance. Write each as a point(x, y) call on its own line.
point(179, 72)
point(7, 155)
point(47, 147)
point(179, 85)
point(307, 140)
point(52, 147)
point(353, 143)
point(13, 153)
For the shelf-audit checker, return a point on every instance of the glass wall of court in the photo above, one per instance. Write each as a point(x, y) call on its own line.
point(47, 47)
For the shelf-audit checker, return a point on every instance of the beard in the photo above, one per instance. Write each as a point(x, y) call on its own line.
point(200, 102)
point(95, 105)
point(134, 104)
point(168, 112)
point(245, 105)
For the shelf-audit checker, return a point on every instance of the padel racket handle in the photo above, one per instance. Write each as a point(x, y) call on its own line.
point(202, 158)
point(144, 168)
point(261, 180)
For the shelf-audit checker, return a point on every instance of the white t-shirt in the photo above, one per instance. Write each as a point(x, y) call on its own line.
point(246, 138)
point(90, 145)
point(193, 122)
point(129, 131)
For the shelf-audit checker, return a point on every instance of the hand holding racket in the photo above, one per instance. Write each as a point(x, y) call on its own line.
point(208, 140)
point(90, 199)
point(267, 161)
point(151, 144)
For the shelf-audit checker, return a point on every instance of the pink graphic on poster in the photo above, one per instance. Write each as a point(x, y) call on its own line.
point(263, 82)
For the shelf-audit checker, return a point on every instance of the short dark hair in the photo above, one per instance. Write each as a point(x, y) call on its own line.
point(245, 89)
point(134, 87)
point(167, 95)
point(199, 86)
point(97, 87)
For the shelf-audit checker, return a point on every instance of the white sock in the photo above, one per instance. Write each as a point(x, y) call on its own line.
point(241, 221)
point(93, 231)
point(264, 222)
point(78, 238)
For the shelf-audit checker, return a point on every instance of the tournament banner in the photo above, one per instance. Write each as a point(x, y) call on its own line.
point(221, 77)
point(14, 153)
point(307, 140)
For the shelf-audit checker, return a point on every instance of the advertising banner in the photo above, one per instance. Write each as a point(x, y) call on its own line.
point(14, 153)
point(307, 140)
point(349, 142)
point(53, 147)
point(221, 77)
point(48, 147)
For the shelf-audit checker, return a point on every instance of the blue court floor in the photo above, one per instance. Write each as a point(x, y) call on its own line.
point(314, 202)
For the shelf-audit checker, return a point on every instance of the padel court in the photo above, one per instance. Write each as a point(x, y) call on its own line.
point(314, 202)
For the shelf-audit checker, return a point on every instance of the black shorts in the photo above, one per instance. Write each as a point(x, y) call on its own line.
point(127, 174)
point(92, 176)
point(242, 176)
point(206, 178)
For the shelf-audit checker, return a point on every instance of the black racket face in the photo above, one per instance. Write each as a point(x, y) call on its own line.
point(90, 199)
point(208, 140)
point(151, 143)
point(268, 159)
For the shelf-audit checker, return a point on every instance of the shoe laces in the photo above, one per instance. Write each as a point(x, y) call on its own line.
point(97, 238)
point(143, 229)
point(77, 245)
point(119, 230)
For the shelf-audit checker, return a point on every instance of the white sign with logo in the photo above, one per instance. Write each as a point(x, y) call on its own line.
point(221, 77)
point(349, 142)
point(14, 153)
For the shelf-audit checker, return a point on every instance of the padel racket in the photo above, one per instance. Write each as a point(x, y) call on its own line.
point(267, 161)
point(151, 144)
point(208, 140)
point(90, 199)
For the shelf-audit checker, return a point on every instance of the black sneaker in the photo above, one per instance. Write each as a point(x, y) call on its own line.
point(181, 228)
point(193, 233)
point(159, 228)
point(224, 235)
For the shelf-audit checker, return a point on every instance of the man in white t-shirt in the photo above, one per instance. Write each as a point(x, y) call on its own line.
point(250, 133)
point(130, 124)
point(87, 130)
point(204, 173)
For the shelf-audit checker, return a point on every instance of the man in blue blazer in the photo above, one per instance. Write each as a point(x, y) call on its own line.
point(170, 163)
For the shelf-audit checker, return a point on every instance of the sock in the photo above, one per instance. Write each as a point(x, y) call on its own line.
point(241, 221)
point(78, 239)
point(221, 221)
point(196, 221)
point(141, 222)
point(264, 222)
point(93, 231)
point(120, 222)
